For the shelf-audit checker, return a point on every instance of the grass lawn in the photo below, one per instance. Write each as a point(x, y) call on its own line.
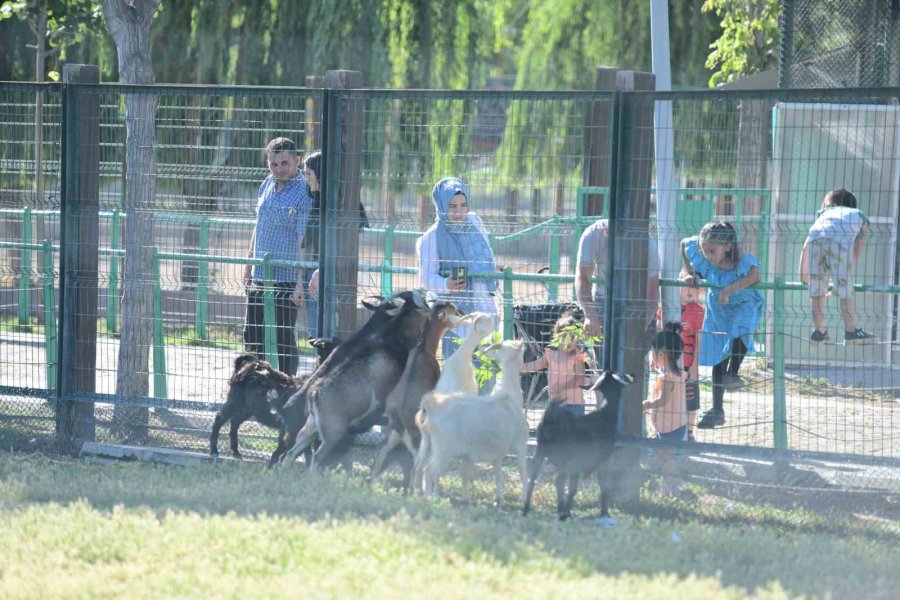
point(70, 529)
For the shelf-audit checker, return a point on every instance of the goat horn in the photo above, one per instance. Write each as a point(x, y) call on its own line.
point(398, 306)
point(419, 299)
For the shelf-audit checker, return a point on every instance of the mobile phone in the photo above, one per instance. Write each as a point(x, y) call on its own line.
point(458, 273)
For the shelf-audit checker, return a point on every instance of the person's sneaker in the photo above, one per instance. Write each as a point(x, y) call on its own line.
point(714, 417)
point(732, 382)
point(860, 336)
point(818, 337)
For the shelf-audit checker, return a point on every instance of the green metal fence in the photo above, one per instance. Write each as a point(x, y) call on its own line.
point(535, 184)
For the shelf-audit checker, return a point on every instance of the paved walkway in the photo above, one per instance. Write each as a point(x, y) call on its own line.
point(821, 419)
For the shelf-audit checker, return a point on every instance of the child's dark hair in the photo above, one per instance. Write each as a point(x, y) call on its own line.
point(721, 232)
point(569, 327)
point(839, 197)
point(669, 341)
point(567, 319)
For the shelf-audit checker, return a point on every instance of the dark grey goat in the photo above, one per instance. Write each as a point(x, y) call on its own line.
point(346, 394)
point(579, 445)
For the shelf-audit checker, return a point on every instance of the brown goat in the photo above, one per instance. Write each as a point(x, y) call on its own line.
point(255, 388)
point(419, 377)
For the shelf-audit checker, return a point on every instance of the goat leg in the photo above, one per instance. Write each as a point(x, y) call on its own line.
point(498, 482)
point(236, 422)
point(466, 470)
point(536, 463)
point(338, 455)
point(522, 459)
point(605, 489)
point(392, 442)
point(420, 463)
point(570, 496)
point(560, 481)
point(304, 438)
point(228, 411)
point(407, 466)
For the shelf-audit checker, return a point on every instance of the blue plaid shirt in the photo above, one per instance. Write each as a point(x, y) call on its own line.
point(280, 224)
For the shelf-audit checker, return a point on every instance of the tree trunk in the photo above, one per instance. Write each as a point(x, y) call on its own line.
point(129, 23)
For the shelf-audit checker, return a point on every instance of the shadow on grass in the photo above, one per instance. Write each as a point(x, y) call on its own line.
point(692, 533)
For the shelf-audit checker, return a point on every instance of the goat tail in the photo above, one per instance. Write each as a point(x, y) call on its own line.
point(422, 415)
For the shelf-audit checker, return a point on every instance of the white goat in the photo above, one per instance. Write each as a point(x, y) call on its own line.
point(457, 373)
point(475, 428)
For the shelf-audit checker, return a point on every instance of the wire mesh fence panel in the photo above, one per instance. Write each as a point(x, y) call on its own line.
point(788, 386)
point(29, 193)
point(170, 224)
point(173, 241)
point(505, 246)
point(832, 44)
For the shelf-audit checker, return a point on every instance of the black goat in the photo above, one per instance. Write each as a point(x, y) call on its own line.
point(578, 445)
point(350, 387)
point(255, 388)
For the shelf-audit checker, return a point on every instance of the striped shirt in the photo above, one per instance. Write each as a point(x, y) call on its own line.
point(280, 224)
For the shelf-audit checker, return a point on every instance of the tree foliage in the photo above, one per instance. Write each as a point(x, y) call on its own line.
point(749, 40)
point(547, 44)
point(59, 23)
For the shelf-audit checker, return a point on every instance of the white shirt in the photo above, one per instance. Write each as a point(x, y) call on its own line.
point(431, 279)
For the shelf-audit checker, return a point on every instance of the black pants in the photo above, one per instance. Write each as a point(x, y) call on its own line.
point(285, 316)
point(731, 365)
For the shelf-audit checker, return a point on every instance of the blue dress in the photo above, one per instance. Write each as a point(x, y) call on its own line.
point(724, 322)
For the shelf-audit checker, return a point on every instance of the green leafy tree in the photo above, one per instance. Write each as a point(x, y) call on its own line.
point(749, 40)
point(56, 25)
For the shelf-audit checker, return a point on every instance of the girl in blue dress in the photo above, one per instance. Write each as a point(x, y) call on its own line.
point(733, 309)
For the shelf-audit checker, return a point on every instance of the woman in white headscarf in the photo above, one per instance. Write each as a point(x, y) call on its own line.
point(454, 248)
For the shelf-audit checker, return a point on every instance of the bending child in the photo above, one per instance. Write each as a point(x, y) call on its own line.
point(831, 250)
point(666, 402)
point(564, 363)
point(732, 309)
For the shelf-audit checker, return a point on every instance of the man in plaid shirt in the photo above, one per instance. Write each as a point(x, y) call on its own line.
point(282, 209)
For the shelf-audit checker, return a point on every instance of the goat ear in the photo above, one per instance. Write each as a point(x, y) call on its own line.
point(398, 306)
point(369, 304)
point(491, 348)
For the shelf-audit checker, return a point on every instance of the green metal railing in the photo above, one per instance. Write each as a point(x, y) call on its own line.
point(507, 277)
point(201, 306)
point(48, 276)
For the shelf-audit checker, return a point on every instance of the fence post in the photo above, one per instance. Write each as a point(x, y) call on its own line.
point(78, 254)
point(553, 286)
point(112, 299)
point(25, 268)
point(764, 244)
point(50, 333)
point(159, 340)
point(387, 275)
point(269, 338)
point(343, 201)
point(508, 328)
point(201, 312)
point(778, 399)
